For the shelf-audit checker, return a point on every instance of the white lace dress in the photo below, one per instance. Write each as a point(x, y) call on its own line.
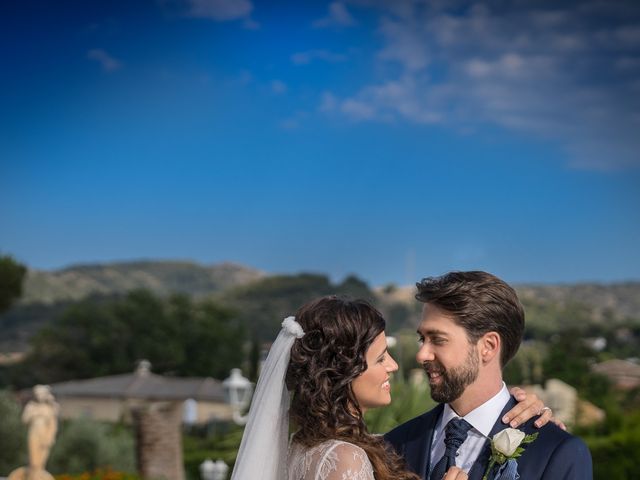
point(331, 460)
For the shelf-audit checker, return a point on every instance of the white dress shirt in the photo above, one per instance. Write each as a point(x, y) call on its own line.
point(481, 419)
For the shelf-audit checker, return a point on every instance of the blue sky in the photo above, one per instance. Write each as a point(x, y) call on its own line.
point(392, 140)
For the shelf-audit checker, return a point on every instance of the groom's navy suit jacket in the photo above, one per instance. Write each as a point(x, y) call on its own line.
point(555, 454)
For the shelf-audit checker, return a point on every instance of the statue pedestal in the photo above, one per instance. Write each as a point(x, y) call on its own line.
point(26, 473)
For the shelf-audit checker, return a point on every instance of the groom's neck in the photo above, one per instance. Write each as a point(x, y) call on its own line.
point(479, 392)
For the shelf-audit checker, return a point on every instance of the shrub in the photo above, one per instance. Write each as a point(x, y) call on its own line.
point(13, 435)
point(86, 446)
point(408, 401)
point(99, 474)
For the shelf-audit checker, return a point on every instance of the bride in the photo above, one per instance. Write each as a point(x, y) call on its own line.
point(332, 361)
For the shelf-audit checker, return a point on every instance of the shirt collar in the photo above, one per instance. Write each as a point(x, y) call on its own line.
point(483, 417)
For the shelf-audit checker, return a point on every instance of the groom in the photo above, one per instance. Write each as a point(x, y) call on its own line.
point(472, 325)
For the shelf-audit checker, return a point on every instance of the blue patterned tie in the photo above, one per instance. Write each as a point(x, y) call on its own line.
point(455, 434)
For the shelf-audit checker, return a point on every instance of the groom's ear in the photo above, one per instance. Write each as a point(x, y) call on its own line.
point(489, 347)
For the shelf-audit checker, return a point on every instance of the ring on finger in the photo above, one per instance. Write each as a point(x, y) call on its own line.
point(543, 409)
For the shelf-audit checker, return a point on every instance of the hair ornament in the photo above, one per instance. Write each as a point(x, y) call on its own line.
point(292, 327)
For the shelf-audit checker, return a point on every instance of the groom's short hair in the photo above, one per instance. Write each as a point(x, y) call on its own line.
point(480, 303)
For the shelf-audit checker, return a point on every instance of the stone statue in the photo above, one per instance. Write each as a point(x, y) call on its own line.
point(41, 415)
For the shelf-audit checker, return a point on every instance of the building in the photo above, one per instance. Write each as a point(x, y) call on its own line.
point(114, 398)
point(624, 374)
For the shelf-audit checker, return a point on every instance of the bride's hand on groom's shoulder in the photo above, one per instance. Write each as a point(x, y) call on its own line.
point(529, 405)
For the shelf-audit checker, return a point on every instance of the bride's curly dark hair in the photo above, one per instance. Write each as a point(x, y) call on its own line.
point(338, 333)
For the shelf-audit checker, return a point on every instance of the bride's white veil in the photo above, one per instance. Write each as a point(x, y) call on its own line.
point(263, 451)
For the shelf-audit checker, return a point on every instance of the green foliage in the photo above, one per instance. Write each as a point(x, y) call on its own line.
point(404, 352)
point(615, 457)
point(85, 445)
point(545, 318)
point(408, 401)
point(213, 341)
point(13, 435)
point(22, 322)
point(569, 359)
point(623, 341)
point(526, 368)
point(356, 288)
point(100, 474)
point(400, 315)
point(221, 446)
point(263, 304)
point(11, 278)
point(100, 337)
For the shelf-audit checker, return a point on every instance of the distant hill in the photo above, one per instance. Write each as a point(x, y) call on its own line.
point(47, 294)
point(617, 300)
point(598, 302)
point(160, 277)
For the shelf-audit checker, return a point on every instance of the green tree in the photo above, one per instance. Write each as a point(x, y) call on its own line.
point(263, 304)
point(408, 401)
point(615, 456)
point(569, 359)
point(401, 315)
point(212, 340)
point(13, 435)
point(12, 275)
point(354, 287)
point(527, 366)
point(98, 337)
point(220, 445)
point(547, 317)
point(85, 445)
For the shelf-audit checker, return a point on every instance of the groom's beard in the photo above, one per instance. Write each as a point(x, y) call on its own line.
point(453, 381)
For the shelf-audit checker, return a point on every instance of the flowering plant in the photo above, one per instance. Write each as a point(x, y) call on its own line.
point(99, 474)
point(507, 445)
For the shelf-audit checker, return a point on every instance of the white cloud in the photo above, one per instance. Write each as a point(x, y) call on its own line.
point(220, 10)
point(250, 24)
point(278, 87)
point(338, 16)
point(628, 63)
point(549, 19)
point(357, 110)
point(329, 102)
point(290, 124)
point(354, 109)
point(404, 45)
point(304, 58)
point(384, 103)
point(106, 61)
point(562, 74)
point(629, 35)
point(293, 122)
point(478, 68)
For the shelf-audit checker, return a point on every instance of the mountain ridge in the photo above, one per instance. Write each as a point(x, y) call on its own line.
point(48, 293)
point(164, 277)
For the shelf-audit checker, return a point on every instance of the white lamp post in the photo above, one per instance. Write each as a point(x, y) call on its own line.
point(210, 470)
point(238, 390)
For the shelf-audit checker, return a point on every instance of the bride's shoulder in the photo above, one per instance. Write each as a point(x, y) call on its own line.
point(340, 459)
point(333, 459)
point(334, 445)
point(342, 448)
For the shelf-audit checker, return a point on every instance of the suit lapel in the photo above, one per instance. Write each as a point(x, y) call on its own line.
point(419, 448)
point(480, 465)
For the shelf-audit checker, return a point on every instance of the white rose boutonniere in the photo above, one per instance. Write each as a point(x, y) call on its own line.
point(507, 445)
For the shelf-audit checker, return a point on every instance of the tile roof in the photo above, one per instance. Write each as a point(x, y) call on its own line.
point(143, 385)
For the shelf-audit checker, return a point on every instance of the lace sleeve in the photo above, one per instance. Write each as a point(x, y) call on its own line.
point(344, 461)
